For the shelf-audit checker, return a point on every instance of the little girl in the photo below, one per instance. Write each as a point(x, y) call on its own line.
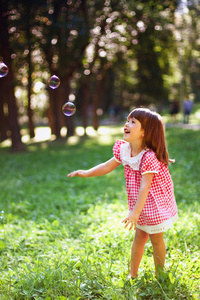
point(151, 203)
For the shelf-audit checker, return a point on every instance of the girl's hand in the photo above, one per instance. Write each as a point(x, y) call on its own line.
point(131, 220)
point(79, 173)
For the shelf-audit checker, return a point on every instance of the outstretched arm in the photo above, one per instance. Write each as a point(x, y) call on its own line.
point(98, 170)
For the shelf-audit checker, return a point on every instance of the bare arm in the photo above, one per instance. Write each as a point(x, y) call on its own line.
point(133, 215)
point(98, 170)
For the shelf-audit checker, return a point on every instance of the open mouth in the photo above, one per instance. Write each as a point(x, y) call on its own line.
point(126, 131)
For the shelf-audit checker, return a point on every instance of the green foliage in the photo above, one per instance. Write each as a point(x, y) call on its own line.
point(64, 239)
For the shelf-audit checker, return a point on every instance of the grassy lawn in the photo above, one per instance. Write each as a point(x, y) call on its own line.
point(63, 238)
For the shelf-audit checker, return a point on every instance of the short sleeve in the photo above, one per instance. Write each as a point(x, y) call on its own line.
point(150, 163)
point(116, 150)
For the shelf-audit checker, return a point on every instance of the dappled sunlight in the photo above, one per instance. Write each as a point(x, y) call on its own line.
point(197, 115)
point(80, 131)
point(90, 131)
point(41, 134)
point(73, 140)
point(106, 134)
point(6, 143)
point(110, 130)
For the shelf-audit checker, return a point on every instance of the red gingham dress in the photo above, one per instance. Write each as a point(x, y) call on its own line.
point(160, 210)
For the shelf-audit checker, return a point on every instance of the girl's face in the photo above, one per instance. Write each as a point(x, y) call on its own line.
point(133, 131)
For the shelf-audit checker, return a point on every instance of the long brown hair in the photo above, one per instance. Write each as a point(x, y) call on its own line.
point(154, 136)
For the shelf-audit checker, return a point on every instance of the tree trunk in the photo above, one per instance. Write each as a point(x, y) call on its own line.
point(54, 96)
point(68, 121)
point(85, 91)
point(17, 144)
point(50, 114)
point(3, 121)
point(30, 112)
point(96, 100)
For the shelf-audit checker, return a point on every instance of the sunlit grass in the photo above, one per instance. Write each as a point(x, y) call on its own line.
point(64, 238)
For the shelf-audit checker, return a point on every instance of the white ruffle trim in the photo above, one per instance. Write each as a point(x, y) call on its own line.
point(160, 227)
point(125, 154)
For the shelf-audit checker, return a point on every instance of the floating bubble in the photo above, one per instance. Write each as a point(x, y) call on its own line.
point(3, 219)
point(3, 70)
point(54, 82)
point(69, 109)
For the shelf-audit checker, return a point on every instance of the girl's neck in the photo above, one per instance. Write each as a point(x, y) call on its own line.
point(136, 149)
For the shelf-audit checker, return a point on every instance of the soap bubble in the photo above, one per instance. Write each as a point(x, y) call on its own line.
point(54, 82)
point(69, 109)
point(3, 219)
point(3, 70)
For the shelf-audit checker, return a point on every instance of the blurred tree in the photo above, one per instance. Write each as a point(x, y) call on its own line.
point(28, 25)
point(190, 47)
point(152, 30)
point(25, 23)
point(8, 96)
point(135, 39)
point(106, 53)
point(3, 119)
point(65, 37)
point(106, 49)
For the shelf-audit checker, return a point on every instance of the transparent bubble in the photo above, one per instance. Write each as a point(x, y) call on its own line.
point(3, 219)
point(3, 70)
point(54, 82)
point(69, 109)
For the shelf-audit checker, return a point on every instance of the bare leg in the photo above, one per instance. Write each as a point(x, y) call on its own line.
point(159, 250)
point(137, 250)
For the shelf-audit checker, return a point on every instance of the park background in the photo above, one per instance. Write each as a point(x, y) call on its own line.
point(61, 238)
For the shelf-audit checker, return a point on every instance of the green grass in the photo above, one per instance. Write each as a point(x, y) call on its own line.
point(64, 239)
